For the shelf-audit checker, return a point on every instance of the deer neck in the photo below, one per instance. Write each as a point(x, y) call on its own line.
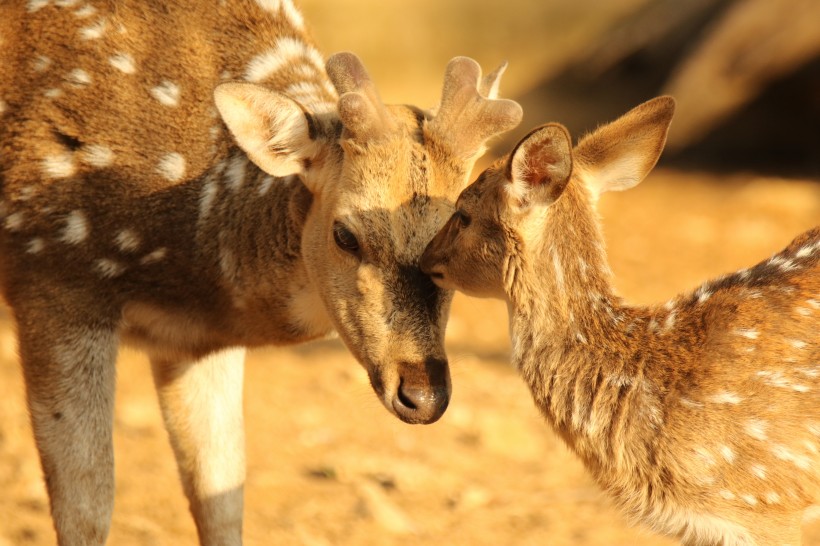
point(572, 336)
point(251, 225)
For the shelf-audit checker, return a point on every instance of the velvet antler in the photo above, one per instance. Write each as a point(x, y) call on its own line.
point(469, 113)
point(361, 110)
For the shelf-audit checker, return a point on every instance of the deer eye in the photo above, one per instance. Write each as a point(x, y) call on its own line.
point(462, 218)
point(345, 239)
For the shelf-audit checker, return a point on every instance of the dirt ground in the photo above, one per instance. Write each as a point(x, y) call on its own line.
point(327, 465)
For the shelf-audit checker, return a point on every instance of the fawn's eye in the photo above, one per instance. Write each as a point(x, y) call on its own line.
point(462, 218)
point(345, 239)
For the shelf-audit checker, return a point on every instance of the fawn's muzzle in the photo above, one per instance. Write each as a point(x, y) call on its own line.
point(423, 391)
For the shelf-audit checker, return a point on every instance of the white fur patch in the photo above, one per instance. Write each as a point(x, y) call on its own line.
point(53, 93)
point(725, 398)
point(59, 165)
point(207, 195)
point(236, 172)
point(756, 428)
point(127, 240)
point(34, 5)
point(86, 11)
point(167, 93)
point(40, 63)
point(94, 31)
point(76, 228)
point(14, 221)
point(109, 269)
point(172, 166)
point(35, 246)
point(78, 77)
point(97, 155)
point(155, 256)
point(293, 15)
point(283, 54)
point(123, 62)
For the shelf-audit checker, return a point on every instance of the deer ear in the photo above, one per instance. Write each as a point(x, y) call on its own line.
point(272, 129)
point(617, 156)
point(540, 165)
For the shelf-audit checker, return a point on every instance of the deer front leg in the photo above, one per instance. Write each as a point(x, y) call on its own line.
point(70, 374)
point(201, 403)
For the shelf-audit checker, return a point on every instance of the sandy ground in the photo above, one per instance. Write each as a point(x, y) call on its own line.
point(327, 465)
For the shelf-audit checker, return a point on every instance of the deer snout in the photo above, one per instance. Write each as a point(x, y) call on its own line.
point(432, 264)
point(423, 391)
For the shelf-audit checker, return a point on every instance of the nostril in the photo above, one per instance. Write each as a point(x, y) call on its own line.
point(406, 397)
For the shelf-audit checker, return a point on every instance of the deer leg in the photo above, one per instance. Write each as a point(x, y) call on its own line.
point(201, 403)
point(69, 372)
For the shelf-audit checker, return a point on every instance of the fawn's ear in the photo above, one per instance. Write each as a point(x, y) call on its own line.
point(540, 165)
point(272, 129)
point(617, 156)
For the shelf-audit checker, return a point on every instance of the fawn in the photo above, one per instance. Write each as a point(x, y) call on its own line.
point(699, 416)
point(195, 182)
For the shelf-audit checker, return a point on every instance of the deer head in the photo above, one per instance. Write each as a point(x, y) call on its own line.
point(382, 180)
point(502, 216)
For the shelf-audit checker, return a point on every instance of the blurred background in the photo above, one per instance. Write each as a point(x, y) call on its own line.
point(326, 464)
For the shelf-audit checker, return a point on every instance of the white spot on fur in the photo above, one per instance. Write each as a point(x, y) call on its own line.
point(726, 494)
point(109, 269)
point(123, 62)
point(748, 333)
point(756, 428)
point(264, 187)
point(41, 63)
point(59, 165)
point(725, 398)
point(293, 15)
point(97, 155)
point(283, 54)
point(207, 195)
point(78, 77)
point(759, 470)
point(797, 344)
point(751, 500)
point(53, 93)
point(14, 221)
point(690, 403)
point(127, 240)
point(95, 31)
point(85, 12)
point(172, 166)
point(236, 171)
point(167, 93)
point(805, 311)
point(35, 246)
point(65, 3)
point(727, 454)
point(76, 228)
point(34, 5)
point(785, 454)
point(805, 251)
point(154, 257)
point(772, 498)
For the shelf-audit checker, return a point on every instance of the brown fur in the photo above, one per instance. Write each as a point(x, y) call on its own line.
point(176, 178)
point(698, 416)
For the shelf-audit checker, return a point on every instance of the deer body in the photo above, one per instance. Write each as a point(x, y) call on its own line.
point(699, 416)
point(143, 202)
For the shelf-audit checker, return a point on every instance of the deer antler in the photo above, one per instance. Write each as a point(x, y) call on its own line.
point(360, 108)
point(466, 118)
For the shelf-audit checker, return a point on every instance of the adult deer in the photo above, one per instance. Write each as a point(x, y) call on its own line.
point(699, 416)
point(129, 214)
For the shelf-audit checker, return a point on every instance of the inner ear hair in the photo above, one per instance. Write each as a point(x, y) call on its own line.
point(542, 162)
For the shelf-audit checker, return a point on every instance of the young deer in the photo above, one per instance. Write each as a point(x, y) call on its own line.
point(699, 416)
point(127, 213)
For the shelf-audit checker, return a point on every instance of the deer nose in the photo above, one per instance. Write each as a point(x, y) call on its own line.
point(423, 392)
point(428, 264)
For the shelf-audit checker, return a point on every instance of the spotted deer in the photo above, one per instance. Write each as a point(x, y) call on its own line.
point(699, 416)
point(197, 181)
